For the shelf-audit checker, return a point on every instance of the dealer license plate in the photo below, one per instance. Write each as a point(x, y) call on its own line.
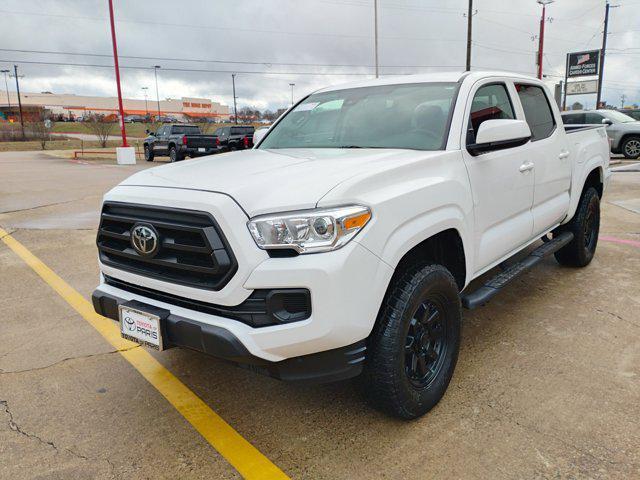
point(140, 327)
point(202, 149)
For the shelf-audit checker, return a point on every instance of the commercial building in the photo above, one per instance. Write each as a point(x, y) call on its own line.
point(73, 106)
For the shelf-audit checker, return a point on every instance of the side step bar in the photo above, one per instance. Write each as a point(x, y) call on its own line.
point(483, 294)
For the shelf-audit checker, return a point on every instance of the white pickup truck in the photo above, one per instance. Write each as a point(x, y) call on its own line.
point(344, 243)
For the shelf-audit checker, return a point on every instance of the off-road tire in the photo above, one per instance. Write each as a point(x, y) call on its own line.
point(585, 226)
point(148, 154)
point(387, 379)
point(631, 147)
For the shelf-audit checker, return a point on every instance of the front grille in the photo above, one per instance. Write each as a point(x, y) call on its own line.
point(192, 249)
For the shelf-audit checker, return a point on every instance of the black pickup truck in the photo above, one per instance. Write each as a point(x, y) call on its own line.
point(178, 142)
point(234, 138)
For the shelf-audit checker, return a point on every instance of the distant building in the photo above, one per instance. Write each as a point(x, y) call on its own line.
point(71, 106)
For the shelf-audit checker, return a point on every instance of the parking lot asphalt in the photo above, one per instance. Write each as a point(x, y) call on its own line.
point(547, 384)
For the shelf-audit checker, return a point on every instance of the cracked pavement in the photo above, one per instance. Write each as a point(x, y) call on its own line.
point(547, 384)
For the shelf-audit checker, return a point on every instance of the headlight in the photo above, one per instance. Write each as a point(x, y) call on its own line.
point(309, 231)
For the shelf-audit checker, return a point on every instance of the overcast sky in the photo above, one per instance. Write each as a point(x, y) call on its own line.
point(301, 42)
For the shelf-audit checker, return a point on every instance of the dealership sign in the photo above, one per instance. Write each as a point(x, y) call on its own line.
point(583, 64)
point(582, 87)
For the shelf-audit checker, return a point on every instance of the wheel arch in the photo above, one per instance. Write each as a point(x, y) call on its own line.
point(445, 248)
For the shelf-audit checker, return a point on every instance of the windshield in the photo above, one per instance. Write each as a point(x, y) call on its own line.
point(619, 117)
point(408, 116)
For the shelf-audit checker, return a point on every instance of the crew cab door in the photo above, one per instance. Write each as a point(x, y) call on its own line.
point(161, 142)
point(501, 182)
point(549, 153)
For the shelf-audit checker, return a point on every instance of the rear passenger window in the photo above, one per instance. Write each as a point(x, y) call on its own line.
point(537, 111)
point(490, 102)
point(593, 118)
point(573, 119)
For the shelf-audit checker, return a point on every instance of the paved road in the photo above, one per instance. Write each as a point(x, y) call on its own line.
point(547, 385)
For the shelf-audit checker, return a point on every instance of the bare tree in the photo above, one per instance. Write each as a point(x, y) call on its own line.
point(39, 130)
point(101, 128)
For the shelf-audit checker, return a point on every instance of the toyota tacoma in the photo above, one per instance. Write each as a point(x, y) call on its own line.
point(344, 243)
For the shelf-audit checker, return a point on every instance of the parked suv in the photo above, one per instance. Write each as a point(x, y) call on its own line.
point(344, 243)
point(632, 112)
point(623, 130)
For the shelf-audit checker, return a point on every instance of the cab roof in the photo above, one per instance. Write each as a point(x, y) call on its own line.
point(451, 76)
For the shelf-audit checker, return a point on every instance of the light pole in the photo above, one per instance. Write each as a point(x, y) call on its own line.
point(469, 34)
point(17, 77)
point(6, 85)
point(117, 68)
point(544, 4)
point(292, 85)
point(155, 72)
point(375, 34)
point(146, 106)
point(235, 109)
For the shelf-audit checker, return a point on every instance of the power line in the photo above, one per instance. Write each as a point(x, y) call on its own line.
point(202, 60)
point(204, 70)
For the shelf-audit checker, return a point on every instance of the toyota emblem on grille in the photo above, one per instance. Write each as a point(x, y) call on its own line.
point(144, 239)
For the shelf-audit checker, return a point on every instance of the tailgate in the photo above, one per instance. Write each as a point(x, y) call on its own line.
point(199, 141)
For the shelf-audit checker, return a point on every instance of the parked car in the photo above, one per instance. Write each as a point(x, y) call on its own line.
point(344, 244)
point(165, 119)
point(623, 130)
point(178, 142)
point(134, 119)
point(632, 112)
point(234, 138)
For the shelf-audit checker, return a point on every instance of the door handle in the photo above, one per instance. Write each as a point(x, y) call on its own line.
point(525, 167)
point(563, 155)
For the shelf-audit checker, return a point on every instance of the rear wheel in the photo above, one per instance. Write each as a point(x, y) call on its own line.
point(631, 147)
point(148, 154)
point(174, 156)
point(413, 348)
point(585, 226)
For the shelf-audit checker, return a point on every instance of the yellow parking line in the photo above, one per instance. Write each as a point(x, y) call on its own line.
point(243, 456)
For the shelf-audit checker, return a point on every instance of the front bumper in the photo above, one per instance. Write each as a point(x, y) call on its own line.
point(194, 152)
point(346, 286)
point(328, 366)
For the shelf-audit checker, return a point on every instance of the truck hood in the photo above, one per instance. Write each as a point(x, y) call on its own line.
point(265, 181)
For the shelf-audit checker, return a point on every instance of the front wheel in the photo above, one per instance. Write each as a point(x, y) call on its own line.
point(631, 147)
point(413, 348)
point(585, 226)
point(148, 154)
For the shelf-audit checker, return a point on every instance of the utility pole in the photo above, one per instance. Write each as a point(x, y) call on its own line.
point(292, 85)
point(375, 34)
point(15, 74)
point(602, 53)
point(544, 4)
point(146, 106)
point(623, 98)
point(6, 86)
point(235, 109)
point(155, 72)
point(469, 34)
point(117, 67)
